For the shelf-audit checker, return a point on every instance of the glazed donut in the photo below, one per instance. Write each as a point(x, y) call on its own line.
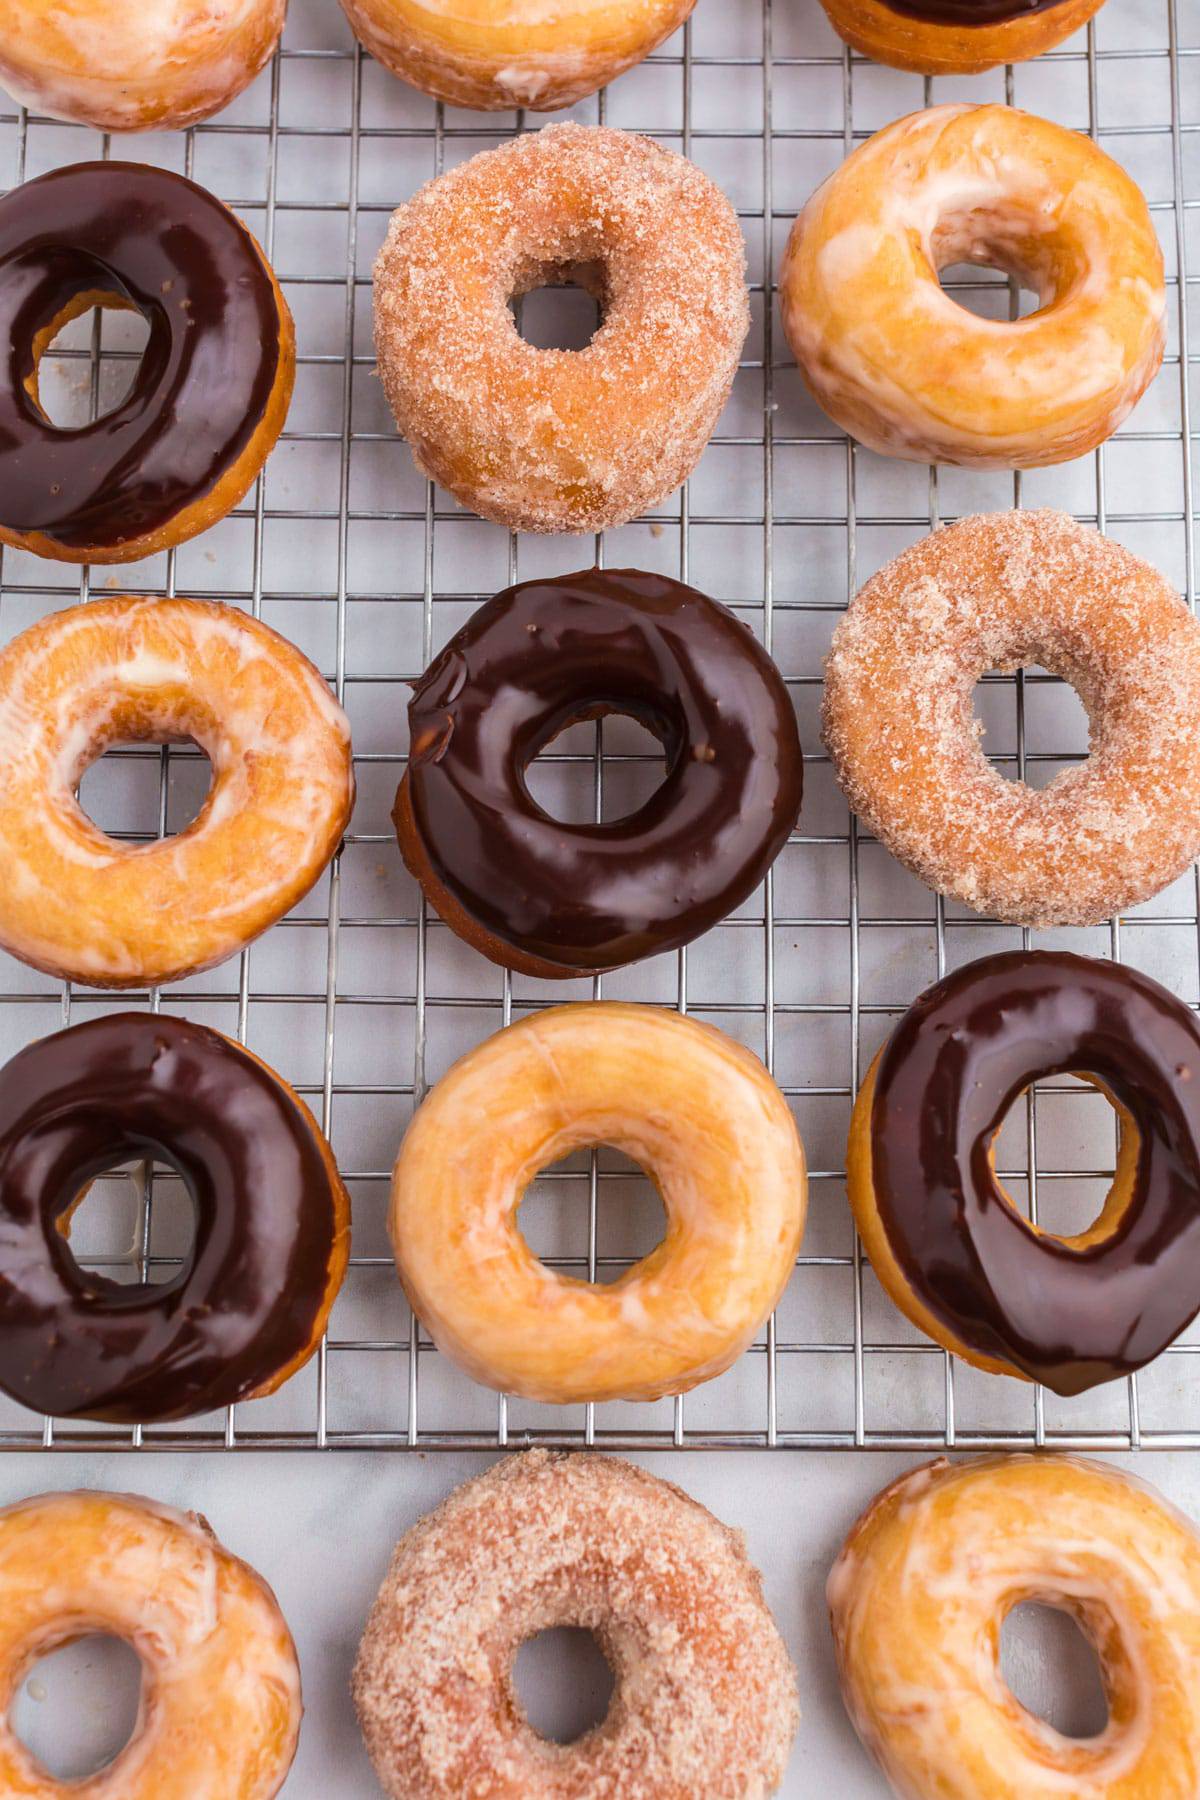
point(562, 440)
point(702, 1117)
point(212, 391)
point(248, 1306)
point(134, 65)
point(82, 905)
point(944, 1238)
point(220, 1714)
point(540, 54)
point(893, 358)
point(998, 592)
point(705, 1700)
point(924, 1582)
point(956, 37)
point(557, 900)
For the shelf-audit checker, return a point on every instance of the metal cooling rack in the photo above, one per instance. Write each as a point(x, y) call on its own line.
point(361, 997)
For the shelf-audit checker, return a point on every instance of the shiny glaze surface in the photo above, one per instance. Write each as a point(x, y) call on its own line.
point(1071, 1317)
point(78, 1345)
point(970, 12)
point(162, 246)
point(545, 654)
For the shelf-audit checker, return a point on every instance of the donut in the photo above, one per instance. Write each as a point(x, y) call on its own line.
point(702, 1117)
point(211, 393)
point(134, 65)
point(272, 1223)
point(924, 1582)
point(704, 1705)
point(539, 54)
point(220, 1713)
point(558, 900)
point(956, 37)
point(86, 907)
point(562, 440)
point(945, 1239)
point(997, 592)
point(892, 357)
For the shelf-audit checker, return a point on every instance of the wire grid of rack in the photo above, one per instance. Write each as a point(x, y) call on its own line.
point(361, 997)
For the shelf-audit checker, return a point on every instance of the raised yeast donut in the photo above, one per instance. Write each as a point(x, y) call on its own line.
point(907, 371)
point(924, 1582)
point(82, 905)
point(997, 592)
point(702, 1117)
point(944, 1238)
point(704, 1706)
point(249, 1302)
point(494, 54)
point(956, 37)
point(557, 900)
point(220, 1711)
point(562, 440)
point(212, 391)
point(134, 65)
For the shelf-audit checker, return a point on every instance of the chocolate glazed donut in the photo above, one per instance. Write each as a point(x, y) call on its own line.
point(271, 1223)
point(957, 37)
point(557, 900)
point(971, 12)
point(209, 398)
point(945, 1239)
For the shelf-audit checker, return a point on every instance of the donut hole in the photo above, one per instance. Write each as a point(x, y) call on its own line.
point(78, 1706)
point(138, 792)
point(559, 306)
point(1076, 1138)
point(89, 367)
point(565, 1683)
point(603, 769)
point(133, 1224)
point(989, 292)
point(1033, 728)
point(554, 1216)
point(1051, 1668)
point(1029, 265)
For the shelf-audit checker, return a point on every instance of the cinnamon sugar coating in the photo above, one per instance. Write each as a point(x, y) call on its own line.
point(704, 1706)
point(1001, 591)
point(562, 440)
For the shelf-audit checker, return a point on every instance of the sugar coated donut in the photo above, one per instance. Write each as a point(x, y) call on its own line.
point(84, 906)
point(497, 54)
point(557, 900)
point(249, 1302)
point(956, 37)
point(901, 366)
point(134, 65)
point(702, 1117)
point(562, 440)
point(944, 1238)
point(924, 1583)
point(212, 391)
point(220, 1712)
point(997, 592)
point(704, 1705)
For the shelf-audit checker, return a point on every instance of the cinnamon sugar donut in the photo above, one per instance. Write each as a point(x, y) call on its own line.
point(134, 65)
point(894, 359)
point(498, 54)
point(997, 592)
point(704, 1706)
point(220, 1712)
point(924, 1582)
point(84, 906)
point(562, 440)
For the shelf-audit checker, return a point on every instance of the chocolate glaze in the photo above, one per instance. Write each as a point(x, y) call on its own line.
point(547, 653)
point(958, 1059)
point(244, 1304)
point(179, 257)
point(970, 12)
